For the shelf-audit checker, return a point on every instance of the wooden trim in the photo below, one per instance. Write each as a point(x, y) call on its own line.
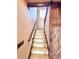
point(43, 4)
point(36, 4)
point(55, 4)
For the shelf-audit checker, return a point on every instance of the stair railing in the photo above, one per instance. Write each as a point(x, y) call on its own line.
point(33, 31)
point(45, 16)
point(32, 37)
point(44, 28)
point(45, 23)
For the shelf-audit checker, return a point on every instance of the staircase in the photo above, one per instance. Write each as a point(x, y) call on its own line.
point(39, 49)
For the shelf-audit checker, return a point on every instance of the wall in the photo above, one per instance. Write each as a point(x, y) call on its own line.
point(24, 28)
point(41, 16)
point(55, 33)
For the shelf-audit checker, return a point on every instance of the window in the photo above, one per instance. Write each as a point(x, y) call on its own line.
point(33, 13)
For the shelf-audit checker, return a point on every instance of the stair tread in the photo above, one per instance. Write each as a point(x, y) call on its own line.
point(39, 44)
point(39, 33)
point(39, 36)
point(40, 30)
point(33, 56)
point(39, 40)
point(40, 49)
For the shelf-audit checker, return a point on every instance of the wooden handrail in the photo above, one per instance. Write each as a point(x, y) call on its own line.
point(47, 43)
point(31, 45)
point(45, 16)
point(32, 32)
point(44, 28)
point(20, 44)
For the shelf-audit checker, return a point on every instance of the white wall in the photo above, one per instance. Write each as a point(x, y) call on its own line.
point(41, 16)
point(24, 28)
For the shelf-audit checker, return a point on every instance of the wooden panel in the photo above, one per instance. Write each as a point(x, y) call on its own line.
point(55, 33)
point(31, 1)
point(55, 18)
point(42, 4)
